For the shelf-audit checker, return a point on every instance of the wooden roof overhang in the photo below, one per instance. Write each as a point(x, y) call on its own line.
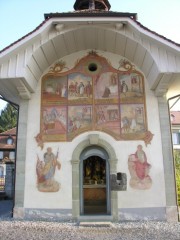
point(23, 63)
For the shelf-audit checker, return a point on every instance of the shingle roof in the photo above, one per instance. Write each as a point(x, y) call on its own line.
point(3, 139)
point(9, 132)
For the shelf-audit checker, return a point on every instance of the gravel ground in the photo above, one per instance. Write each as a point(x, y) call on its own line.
point(35, 230)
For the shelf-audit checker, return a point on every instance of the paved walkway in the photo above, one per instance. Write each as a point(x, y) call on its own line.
point(29, 230)
point(11, 229)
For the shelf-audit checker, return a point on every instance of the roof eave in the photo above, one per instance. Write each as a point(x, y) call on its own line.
point(90, 13)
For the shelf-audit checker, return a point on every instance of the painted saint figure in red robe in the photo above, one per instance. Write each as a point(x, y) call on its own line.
point(139, 169)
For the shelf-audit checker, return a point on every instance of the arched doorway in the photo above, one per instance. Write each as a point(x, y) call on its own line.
point(94, 181)
point(93, 146)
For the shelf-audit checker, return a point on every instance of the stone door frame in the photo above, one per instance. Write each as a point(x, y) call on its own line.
point(93, 152)
point(92, 139)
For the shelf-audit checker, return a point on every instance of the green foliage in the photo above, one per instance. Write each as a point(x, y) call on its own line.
point(8, 118)
point(177, 167)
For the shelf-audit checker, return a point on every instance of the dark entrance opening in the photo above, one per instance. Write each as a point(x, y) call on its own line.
point(94, 186)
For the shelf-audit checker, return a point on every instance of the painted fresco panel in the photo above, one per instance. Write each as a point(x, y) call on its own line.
point(131, 88)
point(132, 119)
point(79, 120)
point(93, 96)
point(107, 119)
point(106, 88)
point(54, 90)
point(54, 122)
point(79, 88)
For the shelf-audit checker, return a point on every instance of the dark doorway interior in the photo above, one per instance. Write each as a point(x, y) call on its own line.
point(94, 186)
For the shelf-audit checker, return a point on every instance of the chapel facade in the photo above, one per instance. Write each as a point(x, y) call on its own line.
point(94, 135)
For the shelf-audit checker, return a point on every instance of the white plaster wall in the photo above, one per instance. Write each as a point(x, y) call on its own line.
point(154, 197)
point(34, 198)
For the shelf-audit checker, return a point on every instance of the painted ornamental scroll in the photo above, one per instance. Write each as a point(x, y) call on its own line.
point(93, 96)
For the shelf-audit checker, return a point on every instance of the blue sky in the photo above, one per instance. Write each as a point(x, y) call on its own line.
point(19, 17)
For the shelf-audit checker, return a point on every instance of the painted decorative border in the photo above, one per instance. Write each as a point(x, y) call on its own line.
point(93, 96)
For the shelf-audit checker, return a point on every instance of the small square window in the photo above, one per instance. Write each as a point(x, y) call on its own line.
point(9, 141)
point(176, 138)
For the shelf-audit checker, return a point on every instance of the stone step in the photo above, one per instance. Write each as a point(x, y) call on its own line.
point(96, 219)
point(95, 224)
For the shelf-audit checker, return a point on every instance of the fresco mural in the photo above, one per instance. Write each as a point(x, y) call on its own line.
point(45, 170)
point(79, 120)
point(131, 88)
point(132, 119)
point(106, 88)
point(107, 119)
point(54, 90)
point(93, 96)
point(139, 170)
point(79, 88)
point(54, 122)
